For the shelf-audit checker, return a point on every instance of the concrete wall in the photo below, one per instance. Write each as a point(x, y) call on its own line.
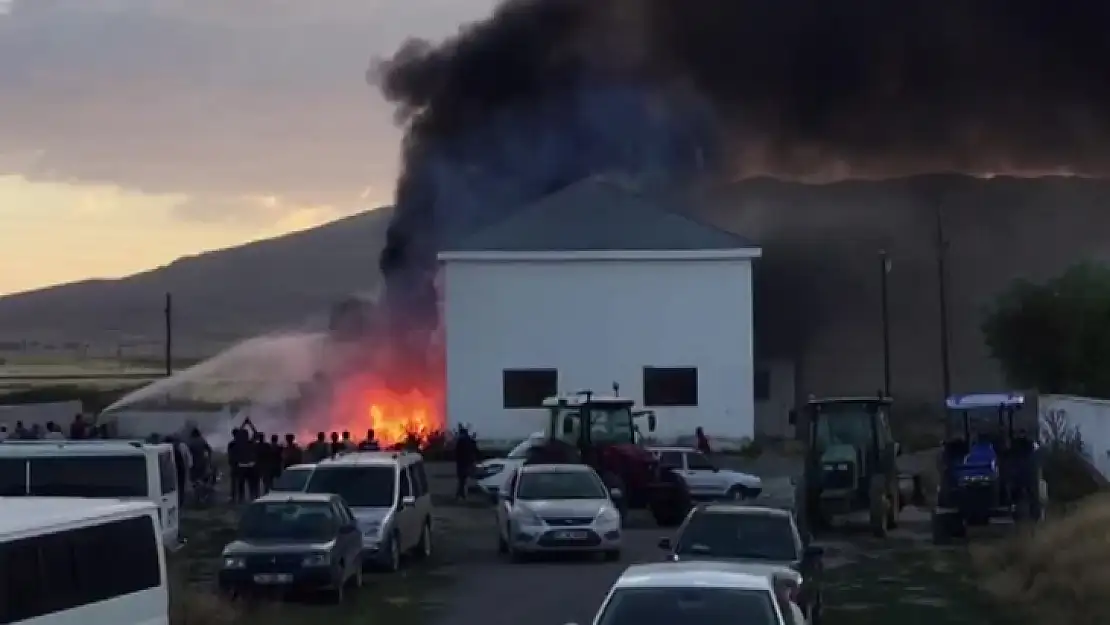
point(600, 322)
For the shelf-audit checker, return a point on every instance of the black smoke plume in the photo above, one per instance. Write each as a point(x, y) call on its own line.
point(544, 92)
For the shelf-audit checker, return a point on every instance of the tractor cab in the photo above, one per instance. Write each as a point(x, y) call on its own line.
point(981, 425)
point(587, 421)
point(850, 440)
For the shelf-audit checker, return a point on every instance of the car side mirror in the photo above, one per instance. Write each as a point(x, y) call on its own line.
point(408, 501)
point(651, 422)
point(615, 493)
point(813, 552)
point(792, 417)
point(665, 543)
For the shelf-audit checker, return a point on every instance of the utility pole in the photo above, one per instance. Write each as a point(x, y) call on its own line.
point(169, 334)
point(884, 271)
point(942, 299)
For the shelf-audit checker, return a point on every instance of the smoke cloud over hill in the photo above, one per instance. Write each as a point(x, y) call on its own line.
point(544, 92)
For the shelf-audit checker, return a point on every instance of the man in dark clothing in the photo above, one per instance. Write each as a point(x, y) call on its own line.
point(273, 465)
point(348, 444)
point(78, 430)
point(336, 444)
point(702, 440)
point(466, 454)
point(318, 449)
point(238, 487)
point(371, 443)
point(261, 463)
point(291, 454)
point(202, 455)
point(245, 467)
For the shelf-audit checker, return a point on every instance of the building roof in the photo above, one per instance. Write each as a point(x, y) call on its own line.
point(603, 213)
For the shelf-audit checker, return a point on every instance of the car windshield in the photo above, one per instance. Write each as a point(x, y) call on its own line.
point(298, 521)
point(753, 536)
point(291, 481)
point(982, 422)
point(360, 487)
point(684, 606)
point(843, 423)
point(89, 476)
point(542, 485)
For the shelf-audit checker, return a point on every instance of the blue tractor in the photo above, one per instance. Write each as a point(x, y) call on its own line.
point(989, 466)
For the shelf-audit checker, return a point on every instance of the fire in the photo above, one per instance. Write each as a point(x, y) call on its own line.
point(366, 402)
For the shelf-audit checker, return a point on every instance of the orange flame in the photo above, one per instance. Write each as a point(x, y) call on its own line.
point(365, 402)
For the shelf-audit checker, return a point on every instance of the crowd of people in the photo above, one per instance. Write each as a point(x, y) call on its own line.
point(255, 461)
point(79, 429)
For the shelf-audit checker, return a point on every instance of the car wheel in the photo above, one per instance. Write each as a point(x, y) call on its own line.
point(424, 547)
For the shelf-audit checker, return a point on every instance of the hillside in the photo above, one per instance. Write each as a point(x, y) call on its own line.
point(218, 296)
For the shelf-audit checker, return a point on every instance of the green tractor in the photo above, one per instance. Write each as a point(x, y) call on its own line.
point(850, 463)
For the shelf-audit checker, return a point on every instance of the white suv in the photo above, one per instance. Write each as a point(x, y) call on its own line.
point(388, 493)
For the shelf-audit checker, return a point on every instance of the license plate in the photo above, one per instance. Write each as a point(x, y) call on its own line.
point(280, 578)
point(570, 535)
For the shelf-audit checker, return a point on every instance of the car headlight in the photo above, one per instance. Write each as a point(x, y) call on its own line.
point(528, 518)
point(316, 559)
point(232, 562)
point(608, 515)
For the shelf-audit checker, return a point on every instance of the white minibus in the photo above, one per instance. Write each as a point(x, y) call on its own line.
point(70, 561)
point(127, 470)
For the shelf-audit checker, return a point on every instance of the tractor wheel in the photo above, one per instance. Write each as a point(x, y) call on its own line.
point(880, 505)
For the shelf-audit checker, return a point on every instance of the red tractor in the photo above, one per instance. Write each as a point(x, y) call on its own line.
point(601, 431)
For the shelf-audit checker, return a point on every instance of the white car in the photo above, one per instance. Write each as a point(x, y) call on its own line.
point(293, 479)
point(557, 508)
point(490, 475)
point(705, 479)
point(707, 593)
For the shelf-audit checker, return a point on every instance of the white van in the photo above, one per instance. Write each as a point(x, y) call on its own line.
point(70, 561)
point(389, 496)
point(95, 469)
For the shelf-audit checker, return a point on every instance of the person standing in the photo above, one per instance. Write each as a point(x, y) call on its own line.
point(371, 443)
point(318, 449)
point(336, 445)
point(291, 454)
point(466, 454)
point(53, 432)
point(78, 429)
point(702, 441)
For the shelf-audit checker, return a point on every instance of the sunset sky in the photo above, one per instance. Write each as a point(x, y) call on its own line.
point(133, 132)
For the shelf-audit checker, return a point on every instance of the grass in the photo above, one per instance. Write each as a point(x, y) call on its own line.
point(908, 583)
point(408, 598)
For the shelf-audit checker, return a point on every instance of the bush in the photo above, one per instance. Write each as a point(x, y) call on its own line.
point(1058, 572)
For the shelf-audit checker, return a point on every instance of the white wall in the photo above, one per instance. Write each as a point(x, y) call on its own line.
point(598, 322)
point(1091, 417)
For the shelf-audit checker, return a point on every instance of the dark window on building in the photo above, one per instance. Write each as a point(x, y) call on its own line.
point(761, 386)
point(670, 386)
point(527, 388)
point(63, 571)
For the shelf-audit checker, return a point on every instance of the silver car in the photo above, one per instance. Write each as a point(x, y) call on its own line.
point(557, 508)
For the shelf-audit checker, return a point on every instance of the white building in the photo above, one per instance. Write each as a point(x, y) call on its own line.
point(595, 284)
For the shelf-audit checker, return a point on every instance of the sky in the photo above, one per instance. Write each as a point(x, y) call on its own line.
point(134, 132)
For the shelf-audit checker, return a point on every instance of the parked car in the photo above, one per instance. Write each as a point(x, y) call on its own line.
point(754, 535)
point(293, 479)
point(294, 541)
point(489, 476)
point(388, 493)
point(706, 593)
point(707, 481)
point(557, 508)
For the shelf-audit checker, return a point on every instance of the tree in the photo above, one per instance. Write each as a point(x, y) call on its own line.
point(1055, 336)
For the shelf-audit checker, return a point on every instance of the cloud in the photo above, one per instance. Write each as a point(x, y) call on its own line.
point(208, 98)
